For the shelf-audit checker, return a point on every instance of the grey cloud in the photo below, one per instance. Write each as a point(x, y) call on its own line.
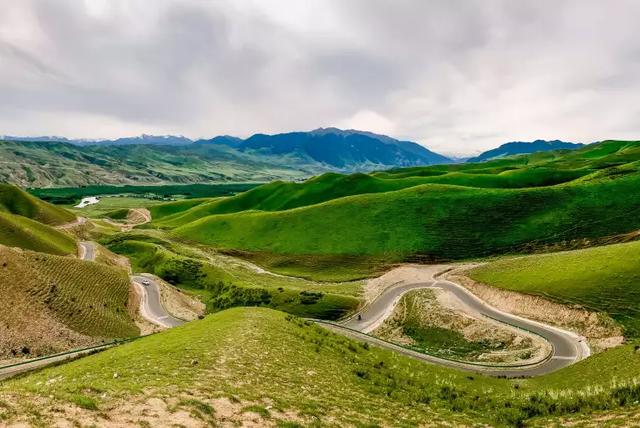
point(457, 76)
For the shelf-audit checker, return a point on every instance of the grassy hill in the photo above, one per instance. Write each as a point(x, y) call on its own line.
point(25, 222)
point(223, 283)
point(604, 279)
point(53, 164)
point(16, 201)
point(51, 303)
point(259, 365)
point(503, 206)
point(17, 231)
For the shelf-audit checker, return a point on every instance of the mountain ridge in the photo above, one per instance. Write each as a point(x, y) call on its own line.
point(166, 159)
point(524, 147)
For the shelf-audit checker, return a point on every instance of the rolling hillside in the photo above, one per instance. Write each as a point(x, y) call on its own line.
point(256, 365)
point(536, 170)
point(26, 222)
point(53, 303)
point(597, 196)
point(603, 279)
point(21, 232)
point(16, 201)
point(223, 283)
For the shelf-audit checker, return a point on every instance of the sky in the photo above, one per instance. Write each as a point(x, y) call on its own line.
point(457, 76)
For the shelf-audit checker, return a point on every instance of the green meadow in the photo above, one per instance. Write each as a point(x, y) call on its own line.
point(310, 376)
point(603, 279)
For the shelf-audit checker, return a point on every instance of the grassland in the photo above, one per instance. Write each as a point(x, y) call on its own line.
point(17, 231)
point(16, 201)
point(49, 164)
point(514, 205)
point(51, 303)
point(289, 371)
point(72, 195)
point(111, 206)
point(223, 281)
point(604, 279)
point(25, 222)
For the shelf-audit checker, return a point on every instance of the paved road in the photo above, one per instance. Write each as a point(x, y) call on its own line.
point(150, 308)
point(7, 372)
point(88, 250)
point(567, 348)
point(151, 305)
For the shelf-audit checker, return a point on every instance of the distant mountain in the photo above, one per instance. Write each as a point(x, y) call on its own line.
point(522, 147)
point(343, 149)
point(226, 140)
point(55, 161)
point(142, 139)
point(169, 140)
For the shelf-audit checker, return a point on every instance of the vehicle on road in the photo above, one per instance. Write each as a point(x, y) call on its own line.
point(146, 282)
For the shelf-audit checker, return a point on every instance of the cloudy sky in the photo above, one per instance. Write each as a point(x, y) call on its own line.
point(456, 76)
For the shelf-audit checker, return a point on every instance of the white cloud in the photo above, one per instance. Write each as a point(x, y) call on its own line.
point(369, 121)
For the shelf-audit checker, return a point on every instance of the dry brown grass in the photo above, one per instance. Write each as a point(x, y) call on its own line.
point(51, 304)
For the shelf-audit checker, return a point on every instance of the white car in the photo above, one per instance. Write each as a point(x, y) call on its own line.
point(146, 282)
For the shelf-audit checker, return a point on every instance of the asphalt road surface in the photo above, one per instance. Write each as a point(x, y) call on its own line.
point(88, 250)
point(567, 347)
point(151, 305)
point(150, 308)
point(7, 372)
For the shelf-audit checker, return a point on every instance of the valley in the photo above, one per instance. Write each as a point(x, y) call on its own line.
point(497, 293)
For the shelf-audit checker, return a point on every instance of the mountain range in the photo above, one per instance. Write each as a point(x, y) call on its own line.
point(147, 159)
point(522, 147)
point(54, 161)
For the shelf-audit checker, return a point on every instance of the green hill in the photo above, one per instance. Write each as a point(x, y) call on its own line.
point(51, 303)
point(257, 364)
point(612, 158)
point(503, 206)
point(223, 284)
point(16, 201)
point(17, 231)
point(438, 221)
point(25, 222)
point(604, 279)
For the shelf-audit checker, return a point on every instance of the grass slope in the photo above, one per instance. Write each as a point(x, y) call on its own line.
point(535, 170)
point(49, 164)
point(51, 303)
point(223, 282)
point(293, 373)
point(16, 201)
point(17, 231)
point(438, 221)
point(605, 279)
point(25, 222)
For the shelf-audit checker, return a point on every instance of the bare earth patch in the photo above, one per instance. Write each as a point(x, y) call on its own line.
point(441, 309)
point(406, 274)
point(149, 410)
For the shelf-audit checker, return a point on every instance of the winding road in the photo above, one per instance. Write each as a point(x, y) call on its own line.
point(567, 347)
point(151, 307)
